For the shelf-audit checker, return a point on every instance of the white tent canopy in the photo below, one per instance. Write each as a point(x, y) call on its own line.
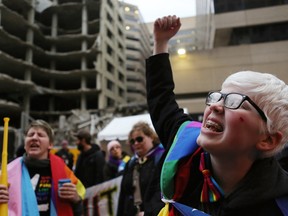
point(120, 127)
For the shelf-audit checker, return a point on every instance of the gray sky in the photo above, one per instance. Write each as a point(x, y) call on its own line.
point(153, 9)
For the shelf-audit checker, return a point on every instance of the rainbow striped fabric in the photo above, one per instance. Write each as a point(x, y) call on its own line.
point(184, 145)
point(24, 200)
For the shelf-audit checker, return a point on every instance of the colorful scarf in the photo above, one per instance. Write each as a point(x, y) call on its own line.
point(24, 200)
point(155, 152)
point(114, 161)
point(211, 191)
point(174, 178)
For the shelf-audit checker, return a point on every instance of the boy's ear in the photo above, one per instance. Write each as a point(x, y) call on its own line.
point(270, 142)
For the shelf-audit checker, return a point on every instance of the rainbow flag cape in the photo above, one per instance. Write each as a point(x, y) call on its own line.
point(184, 144)
point(24, 200)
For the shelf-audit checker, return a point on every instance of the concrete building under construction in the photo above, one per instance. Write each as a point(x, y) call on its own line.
point(58, 56)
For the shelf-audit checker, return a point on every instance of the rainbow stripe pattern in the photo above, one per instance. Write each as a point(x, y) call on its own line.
point(24, 200)
point(174, 180)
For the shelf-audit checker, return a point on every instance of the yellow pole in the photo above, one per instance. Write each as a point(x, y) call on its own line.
point(4, 176)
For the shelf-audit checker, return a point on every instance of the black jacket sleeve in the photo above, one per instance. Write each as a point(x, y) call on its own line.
point(165, 113)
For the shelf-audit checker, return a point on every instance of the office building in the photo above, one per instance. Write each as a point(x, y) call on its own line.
point(138, 48)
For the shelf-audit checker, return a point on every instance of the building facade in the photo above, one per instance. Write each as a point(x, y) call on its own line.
point(63, 58)
point(138, 48)
point(60, 55)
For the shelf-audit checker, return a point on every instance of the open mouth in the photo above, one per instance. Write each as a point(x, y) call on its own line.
point(213, 126)
point(34, 146)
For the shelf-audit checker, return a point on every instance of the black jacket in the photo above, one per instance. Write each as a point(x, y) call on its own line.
point(256, 193)
point(67, 157)
point(89, 166)
point(282, 157)
point(149, 184)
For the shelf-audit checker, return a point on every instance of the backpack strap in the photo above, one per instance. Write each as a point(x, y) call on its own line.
point(282, 203)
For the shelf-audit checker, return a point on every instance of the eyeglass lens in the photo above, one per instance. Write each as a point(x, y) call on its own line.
point(232, 100)
point(138, 139)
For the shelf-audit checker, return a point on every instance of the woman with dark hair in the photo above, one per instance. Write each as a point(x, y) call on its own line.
point(140, 189)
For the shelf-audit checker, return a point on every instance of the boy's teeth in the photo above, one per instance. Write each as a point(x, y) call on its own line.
point(213, 126)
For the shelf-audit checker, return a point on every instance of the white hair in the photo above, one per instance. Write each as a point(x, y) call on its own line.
point(271, 95)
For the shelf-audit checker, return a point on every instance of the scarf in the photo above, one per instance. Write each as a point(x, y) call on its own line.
point(115, 161)
point(155, 152)
point(24, 200)
point(211, 191)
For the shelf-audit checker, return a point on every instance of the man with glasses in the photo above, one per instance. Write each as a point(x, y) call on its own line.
point(224, 165)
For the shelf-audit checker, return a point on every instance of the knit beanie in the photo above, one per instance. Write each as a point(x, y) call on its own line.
point(111, 144)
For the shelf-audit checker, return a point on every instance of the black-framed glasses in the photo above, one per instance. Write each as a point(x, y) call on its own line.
point(232, 101)
point(137, 139)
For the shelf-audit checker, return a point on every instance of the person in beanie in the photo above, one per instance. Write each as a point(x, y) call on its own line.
point(90, 162)
point(117, 160)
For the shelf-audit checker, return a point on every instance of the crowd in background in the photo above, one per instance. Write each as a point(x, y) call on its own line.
point(93, 166)
point(140, 185)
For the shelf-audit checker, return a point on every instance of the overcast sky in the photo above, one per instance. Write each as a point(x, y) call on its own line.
point(153, 9)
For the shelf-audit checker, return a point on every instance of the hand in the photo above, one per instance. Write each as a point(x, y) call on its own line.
point(164, 29)
point(68, 192)
point(4, 195)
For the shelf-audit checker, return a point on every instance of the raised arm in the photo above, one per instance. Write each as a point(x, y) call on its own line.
point(164, 111)
point(164, 29)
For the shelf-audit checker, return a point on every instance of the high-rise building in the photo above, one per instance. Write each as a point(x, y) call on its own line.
point(58, 56)
point(138, 48)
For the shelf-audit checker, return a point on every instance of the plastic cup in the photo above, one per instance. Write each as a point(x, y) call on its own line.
point(61, 182)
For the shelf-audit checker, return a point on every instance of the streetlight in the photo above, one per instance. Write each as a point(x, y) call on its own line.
point(181, 51)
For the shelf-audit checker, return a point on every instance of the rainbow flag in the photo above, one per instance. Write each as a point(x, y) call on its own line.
point(24, 200)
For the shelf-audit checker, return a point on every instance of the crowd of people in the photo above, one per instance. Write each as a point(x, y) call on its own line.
point(232, 163)
point(38, 179)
